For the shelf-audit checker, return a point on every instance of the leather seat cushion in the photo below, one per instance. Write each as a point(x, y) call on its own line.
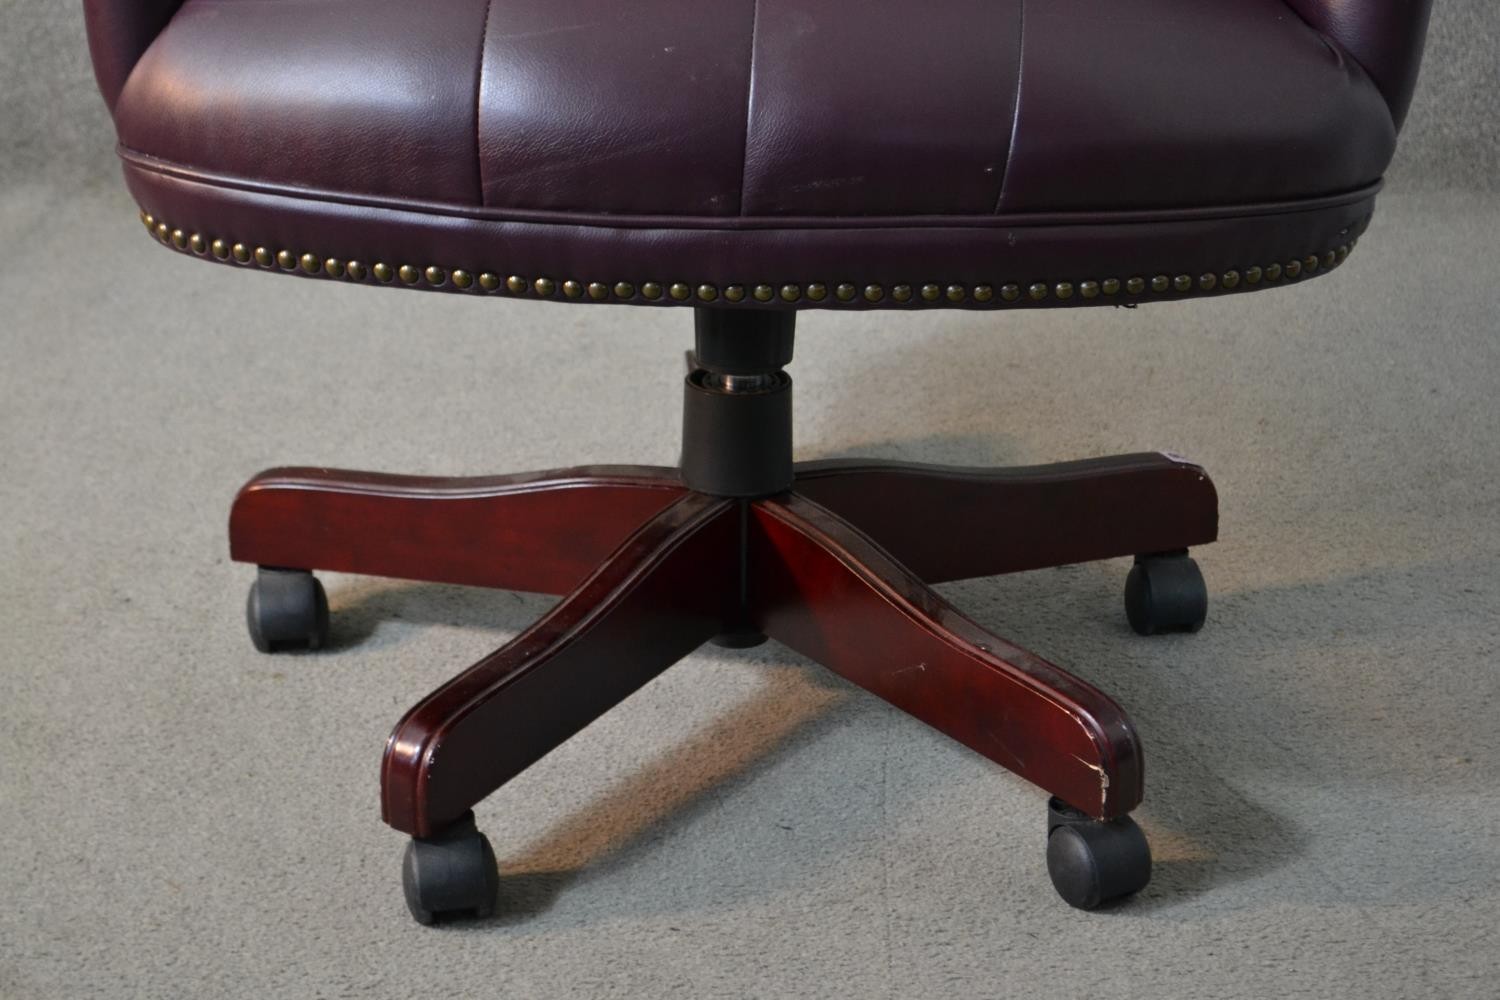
point(539, 135)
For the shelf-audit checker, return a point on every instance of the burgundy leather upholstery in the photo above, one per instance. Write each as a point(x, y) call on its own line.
point(855, 152)
point(118, 33)
point(1384, 36)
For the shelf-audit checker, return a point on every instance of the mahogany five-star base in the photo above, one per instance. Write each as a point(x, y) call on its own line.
point(836, 564)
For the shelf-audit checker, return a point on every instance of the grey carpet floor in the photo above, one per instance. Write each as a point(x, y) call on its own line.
point(182, 817)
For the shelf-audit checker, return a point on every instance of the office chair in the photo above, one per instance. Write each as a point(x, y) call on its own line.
point(752, 160)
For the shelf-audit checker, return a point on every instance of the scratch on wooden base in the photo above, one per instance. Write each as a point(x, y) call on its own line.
point(1103, 779)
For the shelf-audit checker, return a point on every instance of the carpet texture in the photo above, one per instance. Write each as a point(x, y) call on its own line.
point(183, 817)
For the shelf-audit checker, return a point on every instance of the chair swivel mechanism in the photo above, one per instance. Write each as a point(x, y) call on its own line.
point(753, 160)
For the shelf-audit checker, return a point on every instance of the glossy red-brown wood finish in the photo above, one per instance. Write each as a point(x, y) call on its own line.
point(826, 590)
point(951, 523)
point(665, 591)
point(837, 569)
point(539, 531)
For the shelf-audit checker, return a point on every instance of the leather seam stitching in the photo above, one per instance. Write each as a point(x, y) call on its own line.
point(484, 35)
point(749, 103)
point(1015, 115)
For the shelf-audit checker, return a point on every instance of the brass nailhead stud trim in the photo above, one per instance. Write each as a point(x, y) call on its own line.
point(791, 292)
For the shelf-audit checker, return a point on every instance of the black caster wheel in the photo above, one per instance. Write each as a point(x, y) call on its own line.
point(1165, 593)
point(1092, 862)
point(450, 875)
point(286, 609)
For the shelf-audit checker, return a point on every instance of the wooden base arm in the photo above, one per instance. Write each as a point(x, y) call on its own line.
point(539, 531)
point(950, 523)
point(665, 591)
point(821, 587)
